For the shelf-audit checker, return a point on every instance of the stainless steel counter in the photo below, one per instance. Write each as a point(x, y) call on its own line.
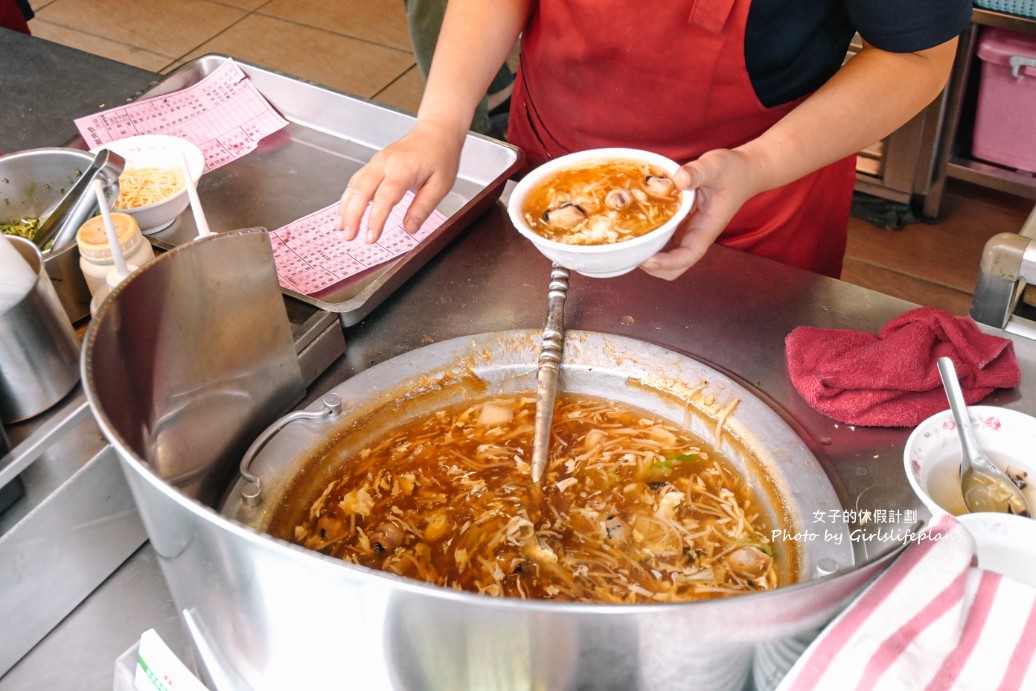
point(732, 311)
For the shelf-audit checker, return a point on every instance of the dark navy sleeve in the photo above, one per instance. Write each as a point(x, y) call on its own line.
point(904, 26)
point(794, 46)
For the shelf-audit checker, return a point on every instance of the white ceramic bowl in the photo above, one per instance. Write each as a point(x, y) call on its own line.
point(598, 261)
point(932, 454)
point(161, 151)
point(1004, 543)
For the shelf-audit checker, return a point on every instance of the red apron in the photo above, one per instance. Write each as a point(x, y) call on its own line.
point(670, 77)
point(12, 17)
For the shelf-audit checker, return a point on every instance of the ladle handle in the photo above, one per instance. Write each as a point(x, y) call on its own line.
point(549, 364)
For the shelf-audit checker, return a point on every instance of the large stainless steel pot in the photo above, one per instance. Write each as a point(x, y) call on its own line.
point(266, 614)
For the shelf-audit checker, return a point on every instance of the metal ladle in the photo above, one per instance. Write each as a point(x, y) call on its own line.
point(985, 486)
point(549, 364)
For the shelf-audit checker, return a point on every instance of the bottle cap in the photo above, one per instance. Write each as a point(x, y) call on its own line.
point(93, 240)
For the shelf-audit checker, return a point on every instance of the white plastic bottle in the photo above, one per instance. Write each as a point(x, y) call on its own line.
point(95, 255)
point(111, 283)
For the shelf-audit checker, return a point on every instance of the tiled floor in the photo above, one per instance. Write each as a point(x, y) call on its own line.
point(362, 47)
point(934, 264)
point(358, 46)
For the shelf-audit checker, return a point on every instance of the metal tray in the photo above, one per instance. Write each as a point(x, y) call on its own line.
point(306, 165)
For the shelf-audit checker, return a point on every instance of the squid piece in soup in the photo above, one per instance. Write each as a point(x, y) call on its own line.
point(632, 509)
point(601, 202)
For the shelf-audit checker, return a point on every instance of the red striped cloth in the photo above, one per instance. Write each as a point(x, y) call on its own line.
point(932, 621)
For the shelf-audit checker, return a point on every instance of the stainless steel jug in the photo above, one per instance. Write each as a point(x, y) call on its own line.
point(39, 351)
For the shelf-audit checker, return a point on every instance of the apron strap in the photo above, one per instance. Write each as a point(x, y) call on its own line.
point(710, 15)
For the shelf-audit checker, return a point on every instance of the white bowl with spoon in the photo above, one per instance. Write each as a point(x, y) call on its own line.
point(154, 167)
point(932, 454)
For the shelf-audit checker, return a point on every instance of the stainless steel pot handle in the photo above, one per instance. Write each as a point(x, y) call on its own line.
point(251, 492)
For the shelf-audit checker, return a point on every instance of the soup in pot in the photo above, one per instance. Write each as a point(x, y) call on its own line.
point(632, 508)
point(601, 202)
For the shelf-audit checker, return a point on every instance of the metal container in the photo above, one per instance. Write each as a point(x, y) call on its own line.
point(267, 614)
point(39, 351)
point(32, 182)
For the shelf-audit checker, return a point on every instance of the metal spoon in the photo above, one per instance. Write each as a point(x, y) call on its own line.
point(549, 363)
point(985, 487)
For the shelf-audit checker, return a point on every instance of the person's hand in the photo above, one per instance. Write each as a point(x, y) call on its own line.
point(723, 180)
point(425, 159)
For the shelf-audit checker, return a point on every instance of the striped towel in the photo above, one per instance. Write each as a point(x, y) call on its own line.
point(932, 621)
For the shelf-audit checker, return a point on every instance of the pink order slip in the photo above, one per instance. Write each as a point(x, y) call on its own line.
point(311, 255)
point(223, 114)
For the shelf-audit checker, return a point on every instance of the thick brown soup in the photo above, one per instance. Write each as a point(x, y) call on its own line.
point(632, 508)
point(601, 202)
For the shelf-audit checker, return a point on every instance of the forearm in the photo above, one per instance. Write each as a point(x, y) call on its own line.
point(476, 38)
point(870, 97)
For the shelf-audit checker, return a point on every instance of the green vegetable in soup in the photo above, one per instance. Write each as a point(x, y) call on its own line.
point(664, 466)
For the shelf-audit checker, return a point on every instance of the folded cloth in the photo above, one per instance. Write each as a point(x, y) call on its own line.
point(931, 621)
point(890, 379)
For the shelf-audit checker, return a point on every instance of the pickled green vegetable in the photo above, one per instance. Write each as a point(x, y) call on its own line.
point(25, 228)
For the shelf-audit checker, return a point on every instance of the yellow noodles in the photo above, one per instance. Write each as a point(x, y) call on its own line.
point(142, 186)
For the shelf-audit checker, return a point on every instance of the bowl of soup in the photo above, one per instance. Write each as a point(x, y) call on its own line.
point(600, 212)
point(932, 454)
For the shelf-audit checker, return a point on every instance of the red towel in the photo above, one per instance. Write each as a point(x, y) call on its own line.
point(890, 380)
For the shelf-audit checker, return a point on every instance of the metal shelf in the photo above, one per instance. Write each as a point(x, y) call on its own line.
point(954, 149)
point(1003, 20)
point(989, 175)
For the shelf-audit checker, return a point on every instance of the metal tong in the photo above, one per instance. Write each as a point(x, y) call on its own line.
point(79, 203)
point(549, 365)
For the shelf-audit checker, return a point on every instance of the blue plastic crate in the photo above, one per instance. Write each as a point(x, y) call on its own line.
point(1022, 8)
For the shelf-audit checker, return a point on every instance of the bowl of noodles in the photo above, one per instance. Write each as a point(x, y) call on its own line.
point(151, 188)
point(600, 212)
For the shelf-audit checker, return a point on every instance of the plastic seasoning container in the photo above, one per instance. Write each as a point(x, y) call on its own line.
point(95, 255)
point(111, 282)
